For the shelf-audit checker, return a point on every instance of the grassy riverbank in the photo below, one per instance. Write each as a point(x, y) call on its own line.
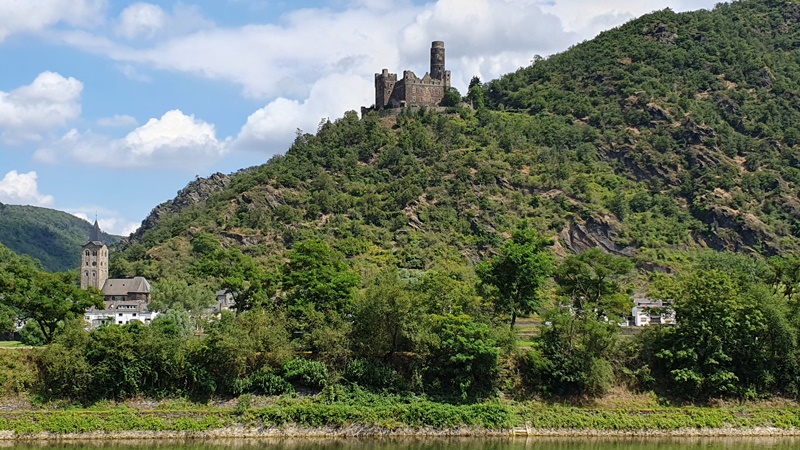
point(315, 416)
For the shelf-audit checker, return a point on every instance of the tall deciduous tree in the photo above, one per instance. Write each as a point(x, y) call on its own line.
point(317, 275)
point(593, 283)
point(384, 316)
point(513, 278)
point(46, 298)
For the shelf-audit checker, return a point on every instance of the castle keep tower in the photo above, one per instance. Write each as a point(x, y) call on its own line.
point(437, 60)
point(411, 90)
point(94, 260)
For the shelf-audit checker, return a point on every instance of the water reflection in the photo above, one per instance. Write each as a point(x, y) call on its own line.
point(533, 443)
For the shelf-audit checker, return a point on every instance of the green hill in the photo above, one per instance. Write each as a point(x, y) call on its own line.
point(53, 237)
point(671, 133)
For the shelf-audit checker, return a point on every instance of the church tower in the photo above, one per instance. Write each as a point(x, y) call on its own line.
point(94, 260)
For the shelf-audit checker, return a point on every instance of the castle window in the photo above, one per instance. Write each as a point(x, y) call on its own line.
point(87, 252)
point(86, 273)
point(94, 253)
point(94, 274)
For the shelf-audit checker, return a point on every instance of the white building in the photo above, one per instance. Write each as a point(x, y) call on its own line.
point(652, 312)
point(126, 300)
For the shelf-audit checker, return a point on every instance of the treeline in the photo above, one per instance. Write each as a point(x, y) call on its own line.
point(53, 237)
point(445, 334)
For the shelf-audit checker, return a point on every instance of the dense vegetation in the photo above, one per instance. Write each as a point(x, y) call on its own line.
point(394, 254)
point(53, 237)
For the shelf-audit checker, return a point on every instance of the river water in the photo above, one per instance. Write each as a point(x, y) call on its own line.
point(743, 443)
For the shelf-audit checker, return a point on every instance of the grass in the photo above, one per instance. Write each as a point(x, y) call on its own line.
point(338, 407)
point(12, 344)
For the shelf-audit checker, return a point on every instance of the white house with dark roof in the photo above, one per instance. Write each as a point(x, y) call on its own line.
point(652, 312)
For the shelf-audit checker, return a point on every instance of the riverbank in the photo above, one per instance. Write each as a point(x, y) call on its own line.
point(304, 417)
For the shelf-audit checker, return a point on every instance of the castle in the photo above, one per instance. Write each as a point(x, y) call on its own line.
point(427, 91)
point(126, 299)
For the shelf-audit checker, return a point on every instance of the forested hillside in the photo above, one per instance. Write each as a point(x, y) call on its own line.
point(53, 237)
point(674, 131)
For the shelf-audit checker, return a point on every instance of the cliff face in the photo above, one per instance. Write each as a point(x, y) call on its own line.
point(194, 193)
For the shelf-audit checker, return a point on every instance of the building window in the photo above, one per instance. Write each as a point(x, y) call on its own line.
point(120, 314)
point(94, 253)
point(87, 252)
point(86, 273)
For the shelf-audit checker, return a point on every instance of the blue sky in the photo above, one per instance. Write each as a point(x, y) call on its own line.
point(110, 107)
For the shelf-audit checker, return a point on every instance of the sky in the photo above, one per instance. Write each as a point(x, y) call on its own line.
point(108, 108)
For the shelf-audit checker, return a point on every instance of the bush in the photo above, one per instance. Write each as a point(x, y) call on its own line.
point(264, 382)
point(307, 373)
point(31, 334)
point(463, 362)
point(373, 374)
point(572, 357)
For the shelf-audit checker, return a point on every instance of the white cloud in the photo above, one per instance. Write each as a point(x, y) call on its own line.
point(319, 62)
point(50, 101)
point(23, 189)
point(141, 19)
point(117, 120)
point(272, 128)
point(587, 17)
point(25, 16)
point(174, 140)
point(110, 221)
point(146, 20)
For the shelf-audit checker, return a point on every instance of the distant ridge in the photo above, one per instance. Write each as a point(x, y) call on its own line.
point(52, 237)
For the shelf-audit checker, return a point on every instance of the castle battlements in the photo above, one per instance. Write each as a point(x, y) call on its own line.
point(411, 90)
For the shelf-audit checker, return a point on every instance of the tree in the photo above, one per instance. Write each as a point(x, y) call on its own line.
point(46, 298)
point(592, 281)
point(384, 316)
point(476, 95)
point(171, 293)
point(251, 285)
point(732, 340)
point(317, 275)
point(463, 360)
point(451, 97)
point(572, 356)
point(512, 279)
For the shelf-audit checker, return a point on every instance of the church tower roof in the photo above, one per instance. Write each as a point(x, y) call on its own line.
point(96, 236)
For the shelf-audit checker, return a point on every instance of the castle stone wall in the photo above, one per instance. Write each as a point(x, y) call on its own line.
point(411, 90)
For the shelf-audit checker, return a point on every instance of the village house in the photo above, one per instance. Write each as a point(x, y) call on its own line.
point(652, 312)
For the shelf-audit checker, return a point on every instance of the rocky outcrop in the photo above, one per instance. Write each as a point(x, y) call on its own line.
point(730, 229)
point(195, 192)
point(595, 232)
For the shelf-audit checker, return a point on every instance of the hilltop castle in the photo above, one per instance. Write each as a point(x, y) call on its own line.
point(427, 91)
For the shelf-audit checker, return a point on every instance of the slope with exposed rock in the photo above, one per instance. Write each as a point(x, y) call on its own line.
point(673, 131)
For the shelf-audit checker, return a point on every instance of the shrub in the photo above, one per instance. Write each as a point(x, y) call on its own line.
point(373, 374)
point(464, 360)
point(263, 381)
point(307, 373)
point(31, 334)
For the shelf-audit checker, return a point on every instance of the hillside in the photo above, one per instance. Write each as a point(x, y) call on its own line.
point(671, 133)
point(53, 237)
